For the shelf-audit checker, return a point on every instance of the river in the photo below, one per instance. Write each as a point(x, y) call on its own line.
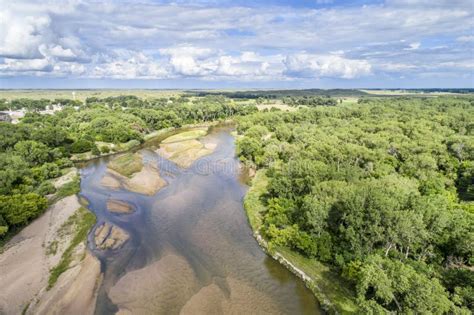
point(191, 249)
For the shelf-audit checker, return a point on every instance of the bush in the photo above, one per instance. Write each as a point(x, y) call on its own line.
point(45, 188)
point(95, 150)
point(50, 170)
point(64, 162)
point(20, 209)
point(104, 149)
point(81, 146)
point(71, 188)
point(3, 226)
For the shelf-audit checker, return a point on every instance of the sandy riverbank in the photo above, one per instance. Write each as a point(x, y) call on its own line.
point(26, 262)
point(185, 148)
point(147, 182)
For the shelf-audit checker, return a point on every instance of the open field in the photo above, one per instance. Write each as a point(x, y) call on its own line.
point(280, 106)
point(402, 92)
point(83, 94)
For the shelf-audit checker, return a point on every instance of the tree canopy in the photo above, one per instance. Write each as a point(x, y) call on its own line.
point(381, 190)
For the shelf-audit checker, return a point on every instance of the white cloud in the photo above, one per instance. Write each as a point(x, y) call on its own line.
point(26, 65)
point(21, 35)
point(189, 60)
point(413, 46)
point(130, 65)
point(465, 38)
point(431, 3)
point(149, 39)
point(311, 65)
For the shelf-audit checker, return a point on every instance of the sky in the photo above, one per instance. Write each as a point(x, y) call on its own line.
point(236, 44)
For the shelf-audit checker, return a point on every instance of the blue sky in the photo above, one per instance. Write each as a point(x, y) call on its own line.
point(236, 44)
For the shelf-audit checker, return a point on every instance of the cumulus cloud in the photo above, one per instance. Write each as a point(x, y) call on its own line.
point(189, 60)
point(465, 38)
point(21, 36)
point(26, 65)
point(311, 65)
point(129, 65)
point(207, 41)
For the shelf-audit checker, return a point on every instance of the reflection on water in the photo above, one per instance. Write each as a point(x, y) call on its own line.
point(191, 249)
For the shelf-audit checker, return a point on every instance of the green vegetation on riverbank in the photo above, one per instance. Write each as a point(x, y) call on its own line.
point(68, 189)
point(127, 164)
point(78, 225)
point(36, 150)
point(187, 135)
point(325, 283)
point(381, 191)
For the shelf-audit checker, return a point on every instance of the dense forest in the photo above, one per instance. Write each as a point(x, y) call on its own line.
point(380, 190)
point(39, 148)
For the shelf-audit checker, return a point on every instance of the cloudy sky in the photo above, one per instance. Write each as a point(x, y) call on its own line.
point(239, 43)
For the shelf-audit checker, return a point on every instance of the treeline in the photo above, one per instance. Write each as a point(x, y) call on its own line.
point(279, 94)
point(309, 101)
point(35, 105)
point(382, 191)
point(432, 90)
point(39, 148)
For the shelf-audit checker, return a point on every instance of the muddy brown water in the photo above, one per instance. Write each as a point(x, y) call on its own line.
point(191, 249)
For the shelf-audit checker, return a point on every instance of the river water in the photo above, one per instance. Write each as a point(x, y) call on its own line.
point(191, 249)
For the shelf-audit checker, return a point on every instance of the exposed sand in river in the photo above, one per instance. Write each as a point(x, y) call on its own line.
point(155, 288)
point(185, 152)
point(108, 236)
point(238, 298)
point(25, 264)
point(174, 288)
point(118, 206)
point(148, 181)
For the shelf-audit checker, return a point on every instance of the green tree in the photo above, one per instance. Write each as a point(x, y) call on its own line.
point(20, 209)
point(33, 152)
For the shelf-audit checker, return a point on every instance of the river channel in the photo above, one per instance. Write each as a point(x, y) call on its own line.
point(191, 249)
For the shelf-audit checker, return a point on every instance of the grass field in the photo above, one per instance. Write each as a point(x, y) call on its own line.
point(402, 92)
point(277, 104)
point(83, 94)
point(349, 100)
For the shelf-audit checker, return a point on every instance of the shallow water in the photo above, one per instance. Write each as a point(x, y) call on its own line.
point(191, 249)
